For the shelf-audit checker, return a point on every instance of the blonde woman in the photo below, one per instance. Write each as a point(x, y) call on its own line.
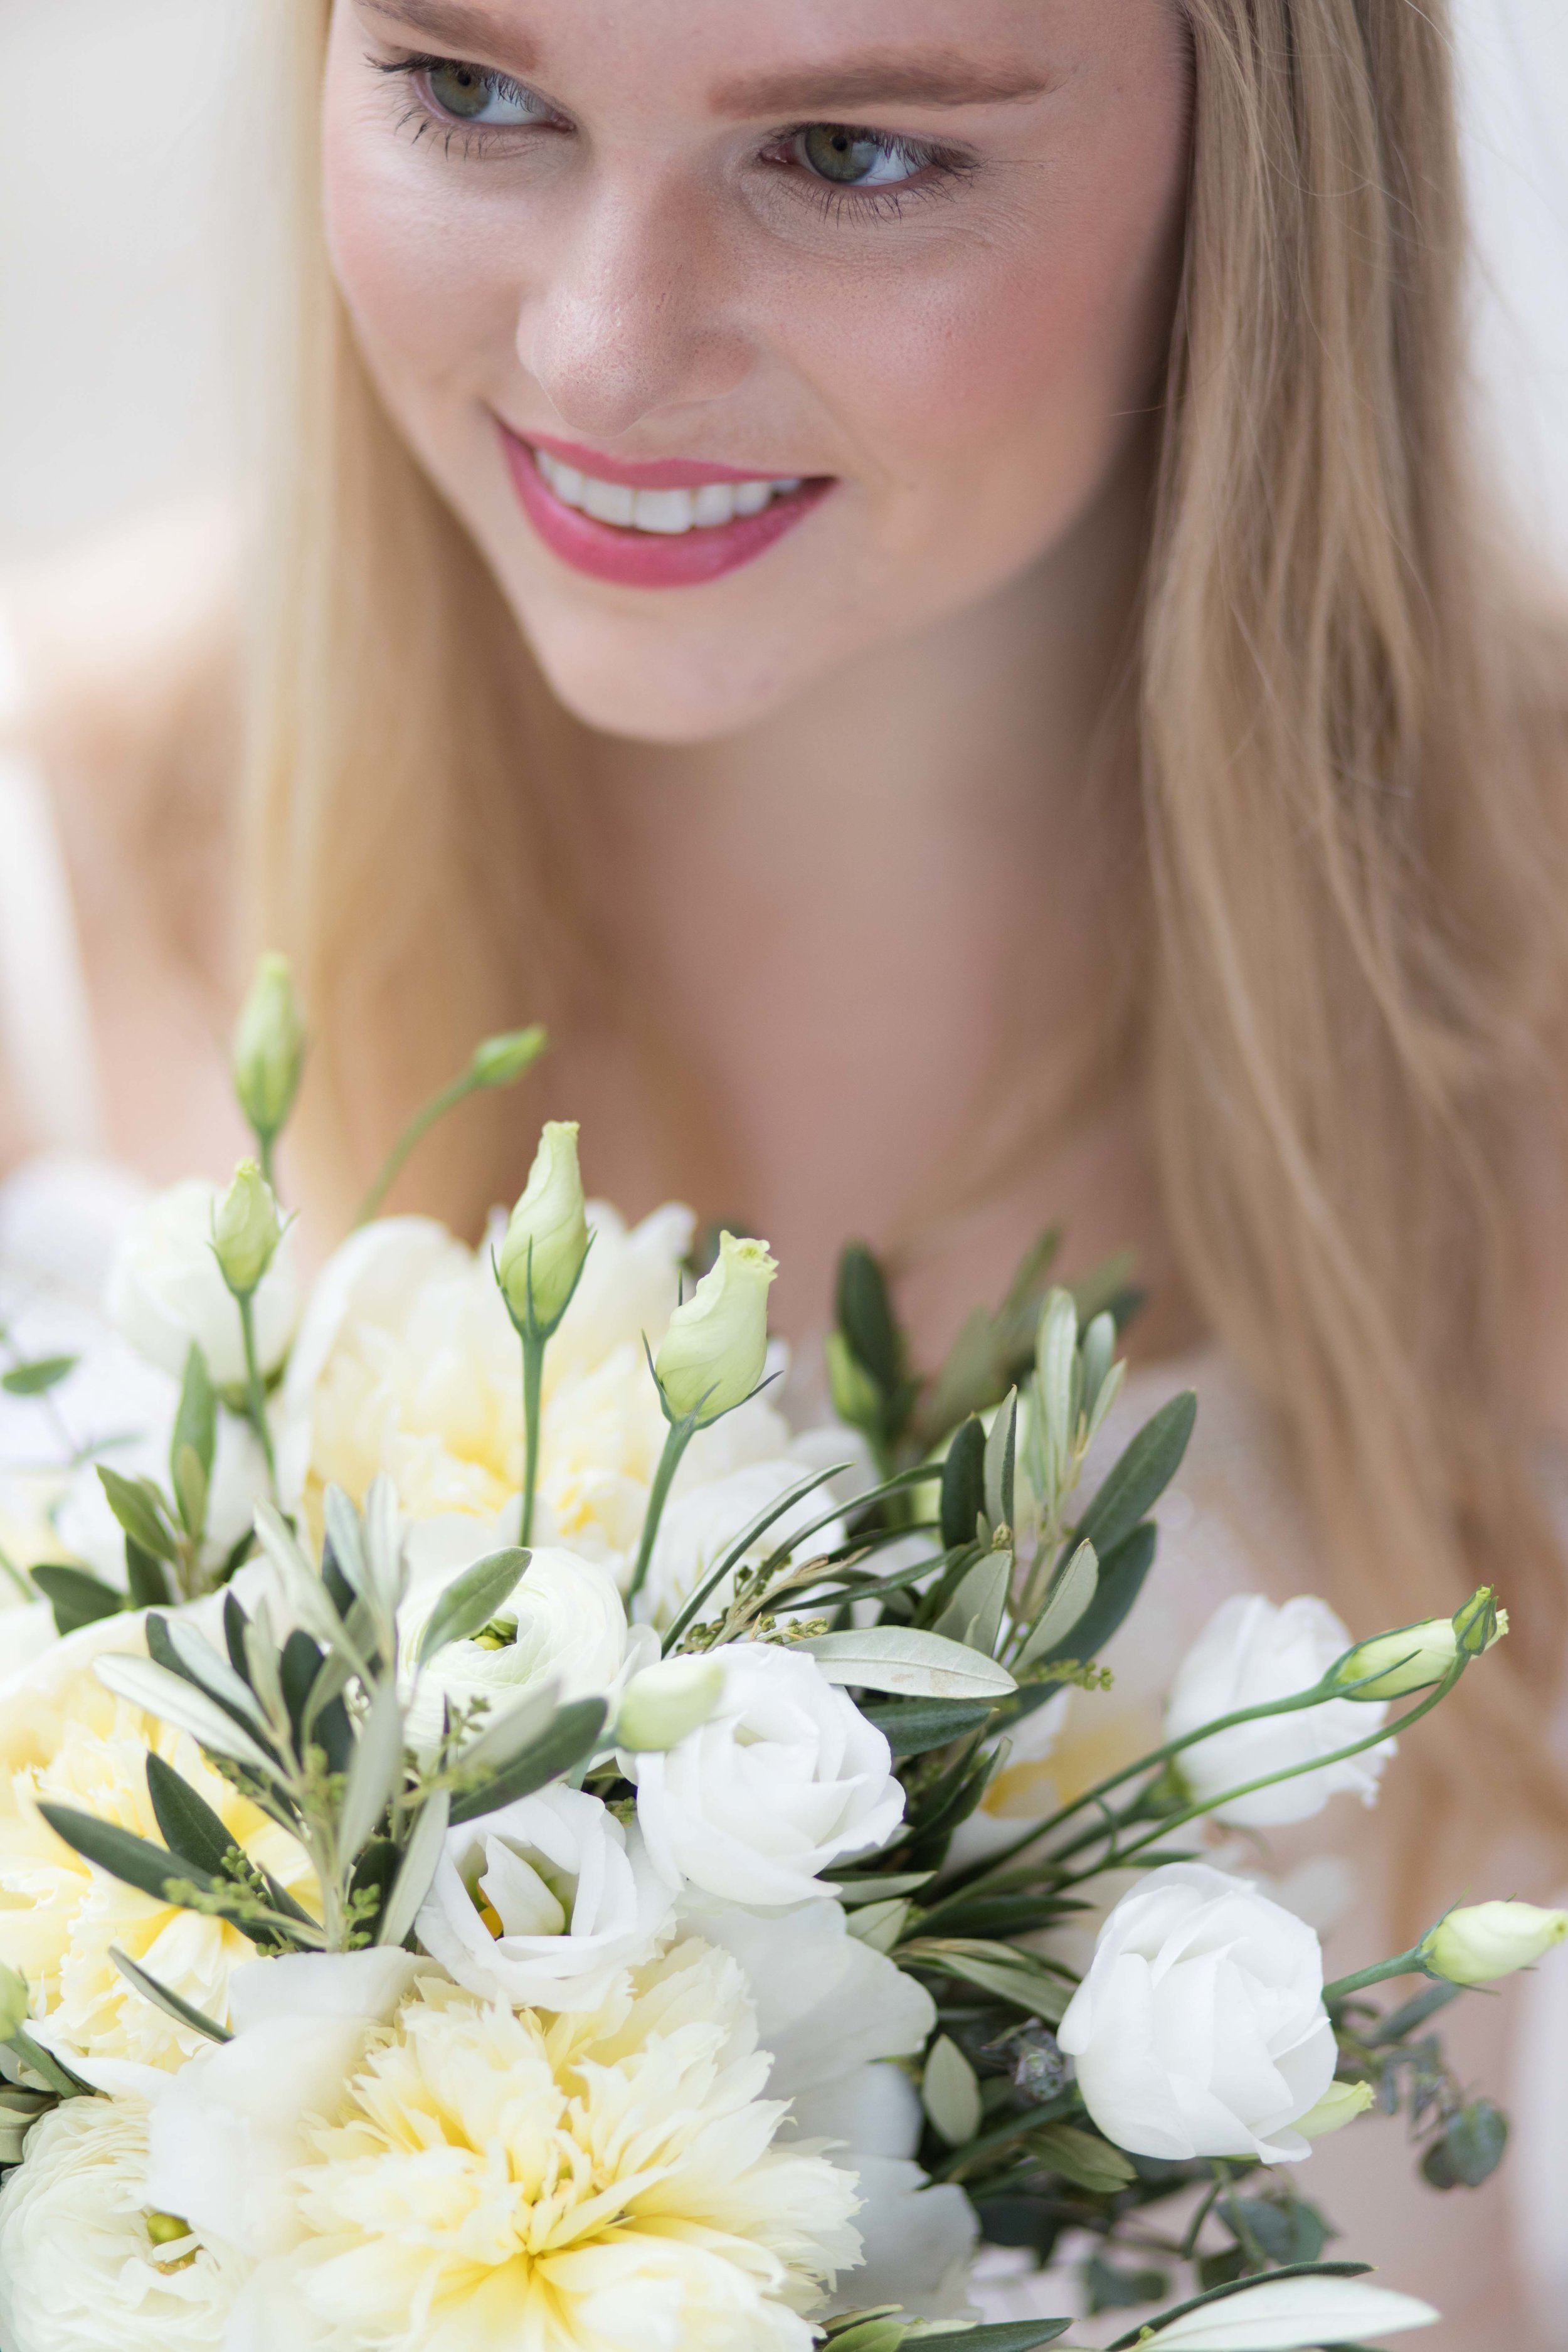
point(910, 577)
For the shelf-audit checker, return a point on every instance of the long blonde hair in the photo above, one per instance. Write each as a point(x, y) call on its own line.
point(1351, 771)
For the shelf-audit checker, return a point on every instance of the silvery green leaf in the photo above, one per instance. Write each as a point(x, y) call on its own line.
point(343, 1533)
point(950, 2091)
point(853, 1891)
point(518, 1728)
point(913, 1664)
point(303, 1589)
point(1054, 1351)
point(1110, 1389)
point(1070, 1601)
point(471, 1599)
point(375, 1774)
point(262, 1660)
point(212, 1672)
point(169, 2002)
point(879, 1925)
point(385, 1560)
point(416, 1870)
point(973, 1616)
point(1001, 1461)
point(173, 1700)
point(1097, 1355)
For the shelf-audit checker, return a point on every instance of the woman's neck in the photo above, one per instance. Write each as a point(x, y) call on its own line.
point(856, 919)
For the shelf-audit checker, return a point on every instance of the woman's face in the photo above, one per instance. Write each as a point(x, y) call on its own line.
point(748, 337)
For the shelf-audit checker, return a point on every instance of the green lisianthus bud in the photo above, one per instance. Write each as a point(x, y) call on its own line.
point(269, 1057)
point(547, 1238)
point(1340, 2105)
point(16, 2008)
point(247, 1230)
point(856, 1398)
point(501, 1061)
point(1487, 1940)
point(1416, 1656)
point(717, 1343)
point(666, 1702)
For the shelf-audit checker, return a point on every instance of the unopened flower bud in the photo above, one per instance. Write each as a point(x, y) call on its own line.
point(856, 1398)
point(665, 1702)
point(269, 1057)
point(547, 1238)
point(1393, 1666)
point(1340, 2105)
point(247, 1229)
point(15, 2006)
point(501, 1061)
point(1491, 1939)
point(717, 1343)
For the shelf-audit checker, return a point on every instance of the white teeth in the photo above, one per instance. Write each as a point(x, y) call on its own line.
point(669, 513)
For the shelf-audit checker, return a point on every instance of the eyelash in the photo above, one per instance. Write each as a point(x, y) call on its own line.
point(941, 169)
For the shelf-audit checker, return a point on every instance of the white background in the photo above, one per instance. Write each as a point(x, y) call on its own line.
point(122, 289)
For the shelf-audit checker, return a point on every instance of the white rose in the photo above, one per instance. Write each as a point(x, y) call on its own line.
point(1248, 1653)
point(1200, 2029)
point(570, 1628)
point(80, 2268)
point(544, 1903)
point(786, 1777)
point(165, 1290)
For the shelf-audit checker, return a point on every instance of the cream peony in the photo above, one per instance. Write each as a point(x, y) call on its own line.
point(480, 2177)
point(544, 1903)
point(570, 1628)
point(406, 1364)
point(64, 1737)
point(786, 1777)
point(1200, 2029)
point(165, 1289)
point(78, 2268)
point(1247, 1653)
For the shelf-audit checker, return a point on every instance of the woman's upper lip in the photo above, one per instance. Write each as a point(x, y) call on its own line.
point(649, 474)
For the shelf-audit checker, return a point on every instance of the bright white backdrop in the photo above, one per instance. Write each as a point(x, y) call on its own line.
point(118, 292)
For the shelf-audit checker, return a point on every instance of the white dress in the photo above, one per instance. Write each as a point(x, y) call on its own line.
point(1229, 1524)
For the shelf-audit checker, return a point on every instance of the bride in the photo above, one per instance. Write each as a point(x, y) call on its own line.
point(910, 579)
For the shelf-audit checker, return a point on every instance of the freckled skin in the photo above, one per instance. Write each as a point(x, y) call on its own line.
point(640, 280)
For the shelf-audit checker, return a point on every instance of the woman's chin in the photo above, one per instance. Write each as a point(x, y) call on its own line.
point(664, 691)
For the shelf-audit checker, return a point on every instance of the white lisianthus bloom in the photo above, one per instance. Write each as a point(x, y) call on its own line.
point(784, 1778)
point(547, 1235)
point(406, 1366)
point(484, 2178)
point(568, 1625)
point(544, 1903)
point(1248, 1653)
point(1487, 1940)
point(165, 1289)
point(1200, 2029)
point(713, 1354)
point(66, 1740)
point(702, 1523)
point(832, 2012)
point(80, 2266)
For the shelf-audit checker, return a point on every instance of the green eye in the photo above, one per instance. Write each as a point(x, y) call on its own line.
point(837, 154)
point(471, 94)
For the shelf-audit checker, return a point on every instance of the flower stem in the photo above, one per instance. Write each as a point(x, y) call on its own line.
point(255, 1389)
point(414, 1134)
point(681, 1434)
point(532, 1375)
point(1408, 1964)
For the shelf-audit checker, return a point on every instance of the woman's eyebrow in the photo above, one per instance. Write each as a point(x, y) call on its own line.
point(891, 77)
point(467, 31)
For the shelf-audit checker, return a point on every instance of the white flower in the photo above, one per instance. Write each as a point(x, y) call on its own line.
point(1248, 1653)
point(786, 1777)
point(717, 1344)
point(79, 2269)
point(65, 1738)
point(1487, 1940)
point(702, 1523)
point(668, 1701)
point(1200, 2029)
point(478, 2177)
point(833, 2012)
point(544, 1903)
point(1293, 2316)
point(547, 1236)
point(165, 1290)
point(570, 1628)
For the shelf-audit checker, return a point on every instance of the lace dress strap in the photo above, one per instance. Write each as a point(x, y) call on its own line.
point(48, 1055)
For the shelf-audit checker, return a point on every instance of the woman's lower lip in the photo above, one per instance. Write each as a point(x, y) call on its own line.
point(634, 559)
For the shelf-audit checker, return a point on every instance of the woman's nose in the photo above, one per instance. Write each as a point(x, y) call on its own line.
point(632, 312)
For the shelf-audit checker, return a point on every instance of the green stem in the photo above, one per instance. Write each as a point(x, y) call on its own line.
point(24, 1586)
point(681, 1434)
point(532, 1375)
point(266, 1147)
point(414, 1134)
point(255, 1389)
point(1408, 1964)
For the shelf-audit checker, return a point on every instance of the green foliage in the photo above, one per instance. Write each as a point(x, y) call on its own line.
point(76, 1596)
point(35, 1379)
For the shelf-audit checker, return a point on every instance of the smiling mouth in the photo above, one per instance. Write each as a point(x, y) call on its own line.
point(669, 513)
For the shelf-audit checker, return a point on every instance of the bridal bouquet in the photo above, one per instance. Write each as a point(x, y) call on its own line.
point(502, 1848)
